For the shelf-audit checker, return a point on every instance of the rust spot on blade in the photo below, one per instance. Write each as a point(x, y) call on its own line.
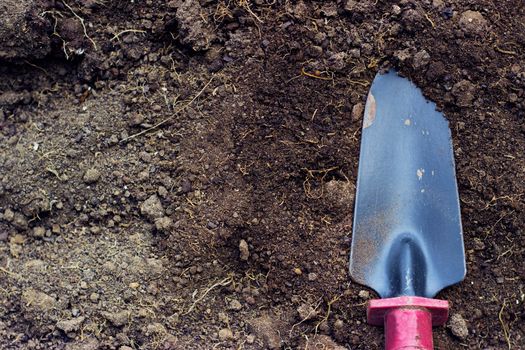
point(370, 236)
point(370, 111)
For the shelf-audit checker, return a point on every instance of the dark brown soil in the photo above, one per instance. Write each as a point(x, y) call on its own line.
point(180, 174)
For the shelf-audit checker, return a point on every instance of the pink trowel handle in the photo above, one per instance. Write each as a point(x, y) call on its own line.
point(408, 321)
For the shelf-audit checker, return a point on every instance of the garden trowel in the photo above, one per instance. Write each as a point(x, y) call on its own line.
point(407, 241)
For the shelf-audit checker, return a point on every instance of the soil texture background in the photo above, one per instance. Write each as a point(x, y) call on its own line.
point(181, 174)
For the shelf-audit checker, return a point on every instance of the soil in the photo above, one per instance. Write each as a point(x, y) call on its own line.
point(180, 174)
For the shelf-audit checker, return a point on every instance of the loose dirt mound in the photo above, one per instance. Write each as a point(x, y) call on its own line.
point(180, 175)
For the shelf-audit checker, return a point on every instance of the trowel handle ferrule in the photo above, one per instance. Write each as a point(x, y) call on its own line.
point(408, 320)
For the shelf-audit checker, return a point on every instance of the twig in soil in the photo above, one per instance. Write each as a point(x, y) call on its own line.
point(54, 172)
point(307, 187)
point(293, 78)
point(244, 4)
point(497, 222)
point(7, 271)
point(313, 115)
point(117, 36)
point(506, 331)
point(170, 118)
point(495, 199)
point(306, 342)
point(307, 316)
point(328, 311)
point(221, 283)
point(360, 304)
point(316, 75)
point(430, 20)
point(221, 12)
point(506, 52)
point(244, 169)
point(82, 23)
point(55, 33)
point(93, 329)
point(326, 220)
point(359, 82)
point(506, 252)
point(374, 61)
point(37, 67)
point(10, 273)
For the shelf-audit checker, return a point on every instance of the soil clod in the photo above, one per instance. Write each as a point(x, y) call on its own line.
point(243, 250)
point(458, 326)
point(152, 208)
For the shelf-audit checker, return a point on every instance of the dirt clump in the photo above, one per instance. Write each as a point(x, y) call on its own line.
point(152, 208)
point(92, 175)
point(72, 325)
point(268, 329)
point(458, 326)
point(473, 22)
point(118, 319)
point(464, 92)
point(193, 28)
point(24, 33)
point(244, 250)
point(37, 301)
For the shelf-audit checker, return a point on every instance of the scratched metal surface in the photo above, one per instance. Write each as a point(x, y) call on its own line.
point(407, 237)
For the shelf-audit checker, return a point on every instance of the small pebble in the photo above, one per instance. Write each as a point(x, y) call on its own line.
point(225, 334)
point(357, 112)
point(152, 208)
point(163, 224)
point(9, 215)
point(396, 10)
point(235, 305)
point(94, 297)
point(55, 228)
point(244, 250)
point(113, 140)
point(223, 318)
point(364, 294)
point(39, 231)
point(162, 191)
point(458, 326)
point(143, 312)
point(136, 119)
point(91, 176)
point(75, 312)
point(338, 324)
